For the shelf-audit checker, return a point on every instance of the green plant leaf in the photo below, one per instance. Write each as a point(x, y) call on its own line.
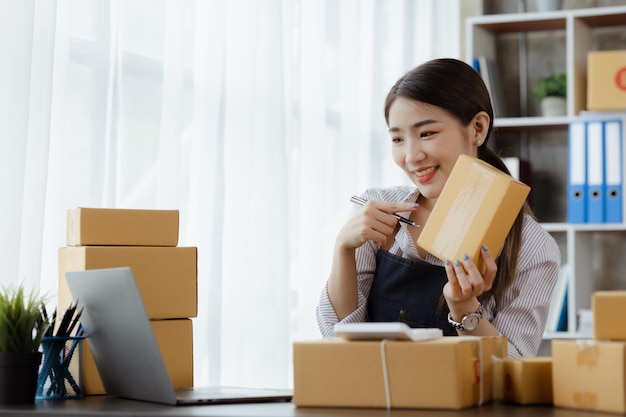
point(554, 85)
point(22, 323)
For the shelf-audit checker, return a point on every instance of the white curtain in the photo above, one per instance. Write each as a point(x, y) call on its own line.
point(257, 119)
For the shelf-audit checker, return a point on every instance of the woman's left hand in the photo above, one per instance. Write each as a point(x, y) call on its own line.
point(465, 282)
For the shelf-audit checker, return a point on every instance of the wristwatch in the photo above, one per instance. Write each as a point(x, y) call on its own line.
point(469, 322)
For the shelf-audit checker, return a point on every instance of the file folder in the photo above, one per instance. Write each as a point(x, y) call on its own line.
point(595, 172)
point(614, 171)
point(576, 210)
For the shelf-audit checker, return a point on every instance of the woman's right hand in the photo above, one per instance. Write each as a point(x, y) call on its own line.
point(372, 222)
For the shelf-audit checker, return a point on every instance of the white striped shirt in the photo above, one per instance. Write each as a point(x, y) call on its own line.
point(521, 312)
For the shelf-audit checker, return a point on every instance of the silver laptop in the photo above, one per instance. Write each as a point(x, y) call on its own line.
point(125, 350)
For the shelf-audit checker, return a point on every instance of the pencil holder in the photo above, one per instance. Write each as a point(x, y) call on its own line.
point(59, 374)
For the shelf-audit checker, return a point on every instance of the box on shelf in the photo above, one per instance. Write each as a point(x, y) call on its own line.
point(175, 340)
point(166, 276)
point(477, 206)
point(589, 374)
point(607, 308)
point(606, 80)
point(447, 373)
point(121, 227)
point(523, 381)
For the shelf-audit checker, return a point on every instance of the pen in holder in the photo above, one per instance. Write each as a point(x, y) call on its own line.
point(60, 374)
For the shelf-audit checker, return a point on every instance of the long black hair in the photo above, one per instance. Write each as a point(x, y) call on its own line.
point(456, 87)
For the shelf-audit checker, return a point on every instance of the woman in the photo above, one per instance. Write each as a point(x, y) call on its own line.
point(435, 113)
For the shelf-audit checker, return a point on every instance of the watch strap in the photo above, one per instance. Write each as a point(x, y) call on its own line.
point(460, 326)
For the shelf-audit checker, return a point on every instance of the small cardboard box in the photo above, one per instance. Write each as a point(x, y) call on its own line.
point(447, 373)
point(523, 381)
point(166, 276)
point(606, 80)
point(121, 227)
point(477, 206)
point(607, 307)
point(589, 375)
point(175, 340)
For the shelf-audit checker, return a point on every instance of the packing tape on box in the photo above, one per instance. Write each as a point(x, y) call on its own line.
point(478, 340)
point(383, 359)
point(499, 387)
point(588, 353)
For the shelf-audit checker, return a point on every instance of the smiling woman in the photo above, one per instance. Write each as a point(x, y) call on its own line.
point(223, 110)
point(437, 112)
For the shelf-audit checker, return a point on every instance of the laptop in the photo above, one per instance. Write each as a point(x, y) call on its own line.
point(126, 352)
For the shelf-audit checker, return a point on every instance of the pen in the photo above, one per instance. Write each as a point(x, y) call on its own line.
point(50, 329)
point(66, 320)
point(74, 321)
point(360, 201)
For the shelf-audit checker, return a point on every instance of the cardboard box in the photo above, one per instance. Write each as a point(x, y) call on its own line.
point(607, 309)
point(121, 227)
point(606, 80)
point(447, 373)
point(166, 276)
point(523, 381)
point(589, 375)
point(175, 340)
point(477, 206)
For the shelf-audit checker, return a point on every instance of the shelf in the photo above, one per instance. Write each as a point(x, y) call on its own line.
point(527, 22)
point(566, 335)
point(517, 123)
point(584, 227)
point(543, 21)
point(556, 41)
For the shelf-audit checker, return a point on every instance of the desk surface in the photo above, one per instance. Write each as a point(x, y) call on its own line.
point(107, 406)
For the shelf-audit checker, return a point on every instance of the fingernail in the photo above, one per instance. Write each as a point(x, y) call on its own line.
point(447, 262)
point(415, 205)
point(485, 248)
point(456, 262)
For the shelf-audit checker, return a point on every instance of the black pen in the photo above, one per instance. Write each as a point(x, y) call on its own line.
point(50, 330)
point(66, 320)
point(360, 201)
point(74, 321)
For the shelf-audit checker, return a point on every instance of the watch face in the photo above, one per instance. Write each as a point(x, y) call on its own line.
point(471, 321)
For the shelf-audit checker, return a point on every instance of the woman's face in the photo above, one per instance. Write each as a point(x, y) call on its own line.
point(427, 140)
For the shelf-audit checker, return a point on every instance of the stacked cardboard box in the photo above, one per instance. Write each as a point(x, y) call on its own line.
point(166, 275)
point(590, 374)
point(445, 373)
point(525, 381)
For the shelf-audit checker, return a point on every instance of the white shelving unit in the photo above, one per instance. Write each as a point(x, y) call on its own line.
point(577, 31)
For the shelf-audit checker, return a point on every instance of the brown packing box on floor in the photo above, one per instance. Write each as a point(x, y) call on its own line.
point(477, 206)
point(589, 375)
point(438, 374)
point(606, 80)
point(607, 308)
point(166, 276)
point(523, 381)
point(121, 227)
point(175, 340)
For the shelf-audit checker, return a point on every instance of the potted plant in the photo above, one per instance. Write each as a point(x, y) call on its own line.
point(550, 93)
point(23, 323)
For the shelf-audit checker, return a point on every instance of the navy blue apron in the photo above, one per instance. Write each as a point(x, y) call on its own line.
point(408, 291)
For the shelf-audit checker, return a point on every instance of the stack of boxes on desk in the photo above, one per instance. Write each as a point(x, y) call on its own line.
point(585, 374)
point(590, 374)
point(166, 275)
